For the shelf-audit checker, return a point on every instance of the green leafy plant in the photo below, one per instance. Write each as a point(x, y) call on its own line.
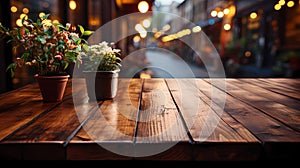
point(101, 57)
point(47, 46)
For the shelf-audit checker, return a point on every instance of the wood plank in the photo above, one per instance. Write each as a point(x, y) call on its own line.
point(159, 119)
point(20, 107)
point(288, 83)
point(237, 126)
point(274, 88)
point(115, 120)
point(246, 84)
point(46, 127)
point(160, 126)
point(30, 92)
point(267, 129)
point(44, 137)
point(262, 125)
point(111, 128)
point(209, 129)
point(187, 101)
point(280, 107)
point(14, 119)
point(9, 100)
point(205, 119)
point(57, 131)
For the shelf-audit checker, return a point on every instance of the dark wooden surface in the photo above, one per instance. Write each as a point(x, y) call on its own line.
point(260, 121)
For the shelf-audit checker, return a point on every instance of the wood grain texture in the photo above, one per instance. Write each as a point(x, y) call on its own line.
point(205, 91)
point(47, 127)
point(160, 127)
point(159, 119)
point(283, 90)
point(23, 106)
point(265, 127)
point(186, 118)
point(217, 136)
point(42, 137)
point(280, 107)
point(265, 93)
point(288, 83)
point(208, 126)
point(270, 131)
point(111, 127)
point(20, 107)
point(115, 119)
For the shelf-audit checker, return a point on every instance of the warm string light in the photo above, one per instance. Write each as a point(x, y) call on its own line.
point(13, 9)
point(24, 15)
point(146, 23)
point(219, 12)
point(25, 10)
point(227, 11)
point(282, 3)
point(41, 14)
point(290, 4)
point(227, 26)
point(141, 27)
point(72, 4)
point(253, 15)
point(143, 6)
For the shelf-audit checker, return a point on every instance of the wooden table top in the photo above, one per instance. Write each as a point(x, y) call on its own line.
point(156, 119)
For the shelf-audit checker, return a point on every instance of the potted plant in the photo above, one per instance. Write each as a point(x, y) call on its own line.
point(101, 70)
point(49, 48)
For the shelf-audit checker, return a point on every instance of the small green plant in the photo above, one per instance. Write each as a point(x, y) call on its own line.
point(101, 57)
point(47, 46)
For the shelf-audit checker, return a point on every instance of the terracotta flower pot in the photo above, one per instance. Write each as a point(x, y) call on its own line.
point(52, 87)
point(101, 85)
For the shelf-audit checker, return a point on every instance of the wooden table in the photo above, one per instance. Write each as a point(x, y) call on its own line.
point(260, 120)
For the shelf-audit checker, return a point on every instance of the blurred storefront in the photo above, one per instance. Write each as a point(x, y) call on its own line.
point(264, 37)
point(254, 38)
point(76, 12)
point(90, 14)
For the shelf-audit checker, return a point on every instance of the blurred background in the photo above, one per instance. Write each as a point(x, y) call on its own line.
point(252, 38)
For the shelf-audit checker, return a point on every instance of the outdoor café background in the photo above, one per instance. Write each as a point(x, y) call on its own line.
point(257, 38)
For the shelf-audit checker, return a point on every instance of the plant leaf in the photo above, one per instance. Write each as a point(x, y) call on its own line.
point(12, 68)
point(85, 47)
point(66, 65)
point(45, 16)
point(87, 33)
point(81, 29)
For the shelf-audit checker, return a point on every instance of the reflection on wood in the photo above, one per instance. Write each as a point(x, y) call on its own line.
point(156, 119)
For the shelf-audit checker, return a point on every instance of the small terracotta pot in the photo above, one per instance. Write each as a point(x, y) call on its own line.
point(52, 87)
point(101, 85)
